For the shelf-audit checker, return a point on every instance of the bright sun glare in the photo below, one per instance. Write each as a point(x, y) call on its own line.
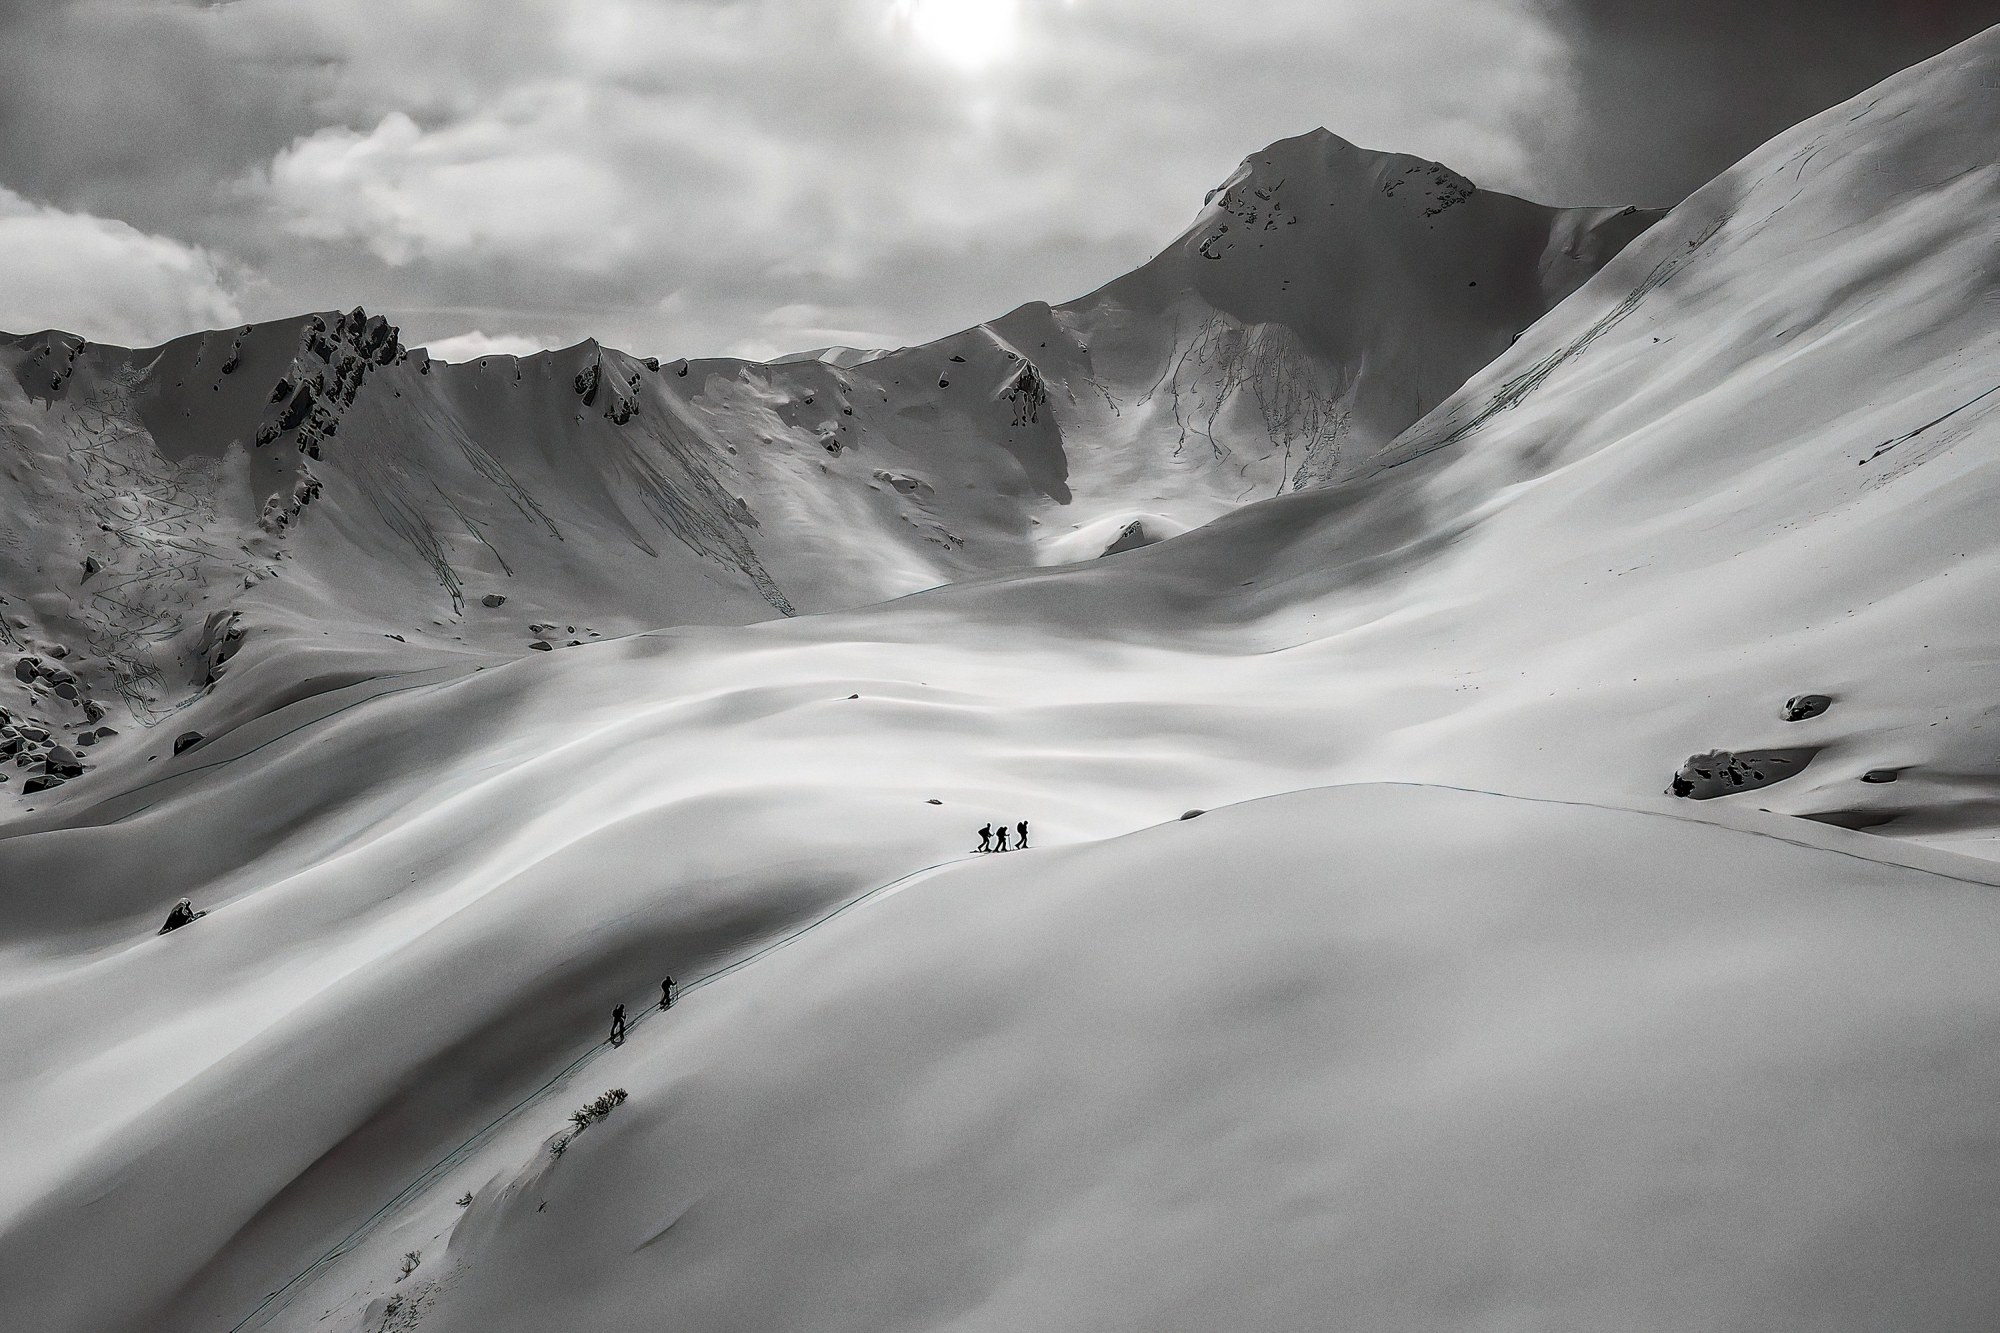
point(967, 33)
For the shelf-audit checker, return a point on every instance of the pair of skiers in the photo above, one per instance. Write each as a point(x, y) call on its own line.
point(668, 994)
point(995, 840)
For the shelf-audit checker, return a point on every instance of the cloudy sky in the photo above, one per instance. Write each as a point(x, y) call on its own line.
point(690, 177)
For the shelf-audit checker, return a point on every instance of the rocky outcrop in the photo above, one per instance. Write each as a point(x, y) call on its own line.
point(1725, 773)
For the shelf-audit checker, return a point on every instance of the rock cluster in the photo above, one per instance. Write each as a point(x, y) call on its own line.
point(621, 397)
point(30, 746)
point(333, 361)
point(51, 680)
point(1723, 772)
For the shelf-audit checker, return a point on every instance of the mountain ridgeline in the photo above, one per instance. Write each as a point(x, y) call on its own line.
point(307, 503)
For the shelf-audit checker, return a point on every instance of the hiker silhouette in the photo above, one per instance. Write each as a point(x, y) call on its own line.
point(1022, 829)
point(667, 993)
point(1001, 835)
point(182, 914)
point(985, 837)
point(618, 1026)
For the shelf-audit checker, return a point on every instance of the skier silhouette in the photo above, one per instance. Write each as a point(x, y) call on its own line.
point(1022, 829)
point(667, 993)
point(1001, 845)
point(985, 837)
point(618, 1026)
point(182, 914)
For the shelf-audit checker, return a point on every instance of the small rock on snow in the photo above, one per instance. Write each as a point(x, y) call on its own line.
point(1802, 706)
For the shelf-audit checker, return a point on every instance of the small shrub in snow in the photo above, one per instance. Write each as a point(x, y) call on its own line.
point(465, 1199)
point(584, 1116)
point(410, 1262)
point(556, 1148)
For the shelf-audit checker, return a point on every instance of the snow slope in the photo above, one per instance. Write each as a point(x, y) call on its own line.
point(1444, 1014)
point(204, 531)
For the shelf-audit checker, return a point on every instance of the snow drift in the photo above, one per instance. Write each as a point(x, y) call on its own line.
point(1444, 1014)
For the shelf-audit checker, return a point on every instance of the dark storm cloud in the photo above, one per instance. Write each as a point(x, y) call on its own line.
point(1671, 94)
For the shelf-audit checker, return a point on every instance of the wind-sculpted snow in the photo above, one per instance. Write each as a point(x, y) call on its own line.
point(1444, 1013)
point(249, 473)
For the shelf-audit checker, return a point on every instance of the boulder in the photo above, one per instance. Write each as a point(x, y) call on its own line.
point(187, 740)
point(1724, 772)
point(492, 600)
point(1880, 775)
point(1802, 706)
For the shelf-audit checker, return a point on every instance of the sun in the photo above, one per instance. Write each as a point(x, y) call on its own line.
point(965, 33)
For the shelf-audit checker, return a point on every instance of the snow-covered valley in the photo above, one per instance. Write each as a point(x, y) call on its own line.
point(1487, 527)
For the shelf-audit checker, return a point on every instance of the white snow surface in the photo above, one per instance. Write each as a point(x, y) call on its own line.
point(1441, 1015)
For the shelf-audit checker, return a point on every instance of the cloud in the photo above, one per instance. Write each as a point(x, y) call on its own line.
point(471, 346)
point(906, 167)
point(103, 278)
point(484, 187)
point(1669, 96)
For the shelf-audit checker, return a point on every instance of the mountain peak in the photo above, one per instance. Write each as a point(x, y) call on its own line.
point(1322, 167)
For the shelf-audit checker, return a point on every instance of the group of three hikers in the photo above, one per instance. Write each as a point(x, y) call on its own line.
point(995, 840)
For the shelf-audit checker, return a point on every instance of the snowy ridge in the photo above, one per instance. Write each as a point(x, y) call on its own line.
point(192, 517)
point(1361, 967)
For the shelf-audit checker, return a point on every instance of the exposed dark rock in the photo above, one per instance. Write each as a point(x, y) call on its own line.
point(1880, 775)
point(41, 782)
point(492, 600)
point(1722, 772)
point(91, 565)
point(1130, 538)
point(1802, 706)
point(1194, 814)
point(541, 646)
point(187, 740)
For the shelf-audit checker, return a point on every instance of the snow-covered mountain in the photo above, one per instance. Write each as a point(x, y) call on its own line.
point(305, 504)
point(1361, 969)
